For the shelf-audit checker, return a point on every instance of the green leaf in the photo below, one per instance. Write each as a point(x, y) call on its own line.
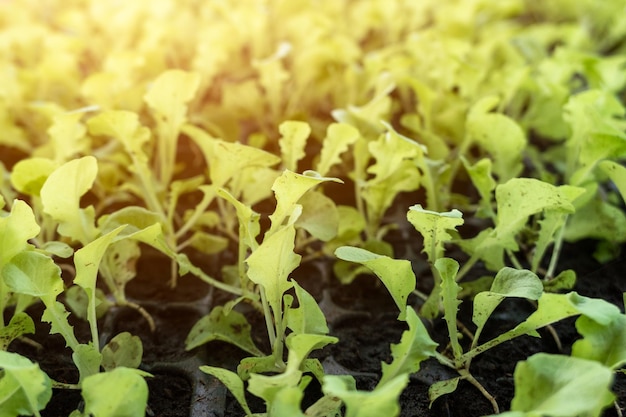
point(561, 386)
point(87, 261)
point(67, 135)
point(24, 388)
point(87, 359)
point(267, 387)
point(249, 226)
point(272, 262)
point(168, 96)
point(232, 382)
point(520, 198)
point(124, 349)
point(597, 220)
point(382, 401)
point(480, 174)
point(338, 137)
point(434, 227)
point(301, 345)
point(319, 217)
point(289, 188)
point(564, 281)
point(229, 160)
point(56, 314)
point(415, 346)
point(20, 324)
point(447, 269)
point(33, 273)
point(604, 343)
point(550, 309)
point(61, 195)
point(123, 392)
point(135, 218)
point(126, 128)
point(287, 403)
point(517, 200)
point(508, 282)
point(596, 119)
point(257, 365)
point(292, 143)
point(440, 388)
point(308, 317)
point(231, 328)
point(327, 406)
point(617, 174)
point(28, 175)
point(395, 171)
point(550, 224)
point(499, 135)
point(396, 274)
point(15, 231)
point(123, 126)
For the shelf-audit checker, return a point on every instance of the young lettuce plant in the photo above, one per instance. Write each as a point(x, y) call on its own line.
point(28, 388)
point(522, 205)
point(35, 274)
point(153, 173)
point(579, 384)
point(299, 330)
point(508, 282)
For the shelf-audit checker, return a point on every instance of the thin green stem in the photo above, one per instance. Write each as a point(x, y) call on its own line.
point(466, 267)
point(269, 322)
point(514, 259)
point(556, 252)
point(470, 378)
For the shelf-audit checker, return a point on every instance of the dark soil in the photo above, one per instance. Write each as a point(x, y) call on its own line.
point(362, 315)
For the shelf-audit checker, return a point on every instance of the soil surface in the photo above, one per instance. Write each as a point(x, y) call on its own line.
point(361, 314)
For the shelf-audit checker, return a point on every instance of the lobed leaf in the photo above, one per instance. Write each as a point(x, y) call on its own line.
point(272, 262)
point(307, 317)
point(228, 160)
point(232, 381)
point(499, 135)
point(231, 327)
point(617, 174)
point(382, 401)
point(434, 227)
point(415, 346)
point(447, 269)
point(20, 324)
point(396, 274)
point(338, 137)
point(602, 342)
point(293, 141)
point(289, 188)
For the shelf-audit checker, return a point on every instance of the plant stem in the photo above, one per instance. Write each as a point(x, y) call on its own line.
point(466, 267)
point(212, 281)
point(556, 252)
point(198, 211)
point(470, 378)
point(140, 310)
point(514, 259)
point(269, 323)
